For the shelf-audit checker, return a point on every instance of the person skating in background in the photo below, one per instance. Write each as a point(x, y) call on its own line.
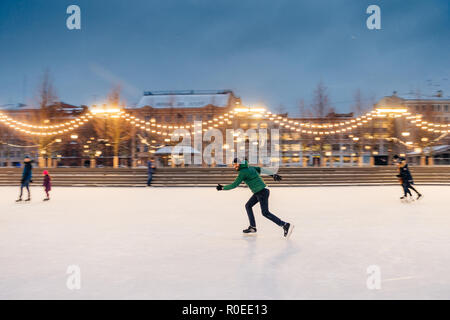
point(406, 178)
point(150, 171)
point(47, 184)
point(27, 178)
point(251, 176)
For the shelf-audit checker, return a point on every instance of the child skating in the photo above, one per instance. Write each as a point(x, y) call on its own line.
point(251, 176)
point(47, 184)
point(406, 179)
point(27, 176)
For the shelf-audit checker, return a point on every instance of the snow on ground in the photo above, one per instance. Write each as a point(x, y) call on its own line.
point(186, 243)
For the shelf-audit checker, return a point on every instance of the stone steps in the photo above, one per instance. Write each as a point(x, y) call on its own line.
point(207, 177)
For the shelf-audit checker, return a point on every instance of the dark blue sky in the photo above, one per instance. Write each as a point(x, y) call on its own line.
point(271, 52)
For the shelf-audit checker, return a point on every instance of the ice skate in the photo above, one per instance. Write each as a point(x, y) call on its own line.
point(46, 199)
point(250, 231)
point(419, 196)
point(19, 200)
point(28, 199)
point(288, 230)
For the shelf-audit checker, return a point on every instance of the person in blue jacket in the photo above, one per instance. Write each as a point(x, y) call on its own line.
point(150, 171)
point(27, 177)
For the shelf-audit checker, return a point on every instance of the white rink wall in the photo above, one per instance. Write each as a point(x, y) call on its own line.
point(187, 243)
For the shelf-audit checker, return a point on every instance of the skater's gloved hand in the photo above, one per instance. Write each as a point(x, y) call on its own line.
point(219, 187)
point(22, 181)
point(276, 177)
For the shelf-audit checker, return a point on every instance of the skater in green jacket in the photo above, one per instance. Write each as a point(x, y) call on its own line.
point(251, 177)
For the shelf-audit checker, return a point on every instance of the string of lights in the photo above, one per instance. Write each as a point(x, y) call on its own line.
point(18, 146)
point(6, 119)
point(429, 126)
point(43, 130)
point(310, 128)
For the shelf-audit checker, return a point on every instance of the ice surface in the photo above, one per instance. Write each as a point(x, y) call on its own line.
point(186, 243)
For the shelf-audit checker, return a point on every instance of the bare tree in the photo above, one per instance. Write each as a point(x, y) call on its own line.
point(112, 129)
point(321, 104)
point(280, 109)
point(303, 109)
point(46, 101)
point(358, 107)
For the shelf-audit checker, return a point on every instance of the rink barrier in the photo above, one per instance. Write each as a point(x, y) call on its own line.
point(206, 177)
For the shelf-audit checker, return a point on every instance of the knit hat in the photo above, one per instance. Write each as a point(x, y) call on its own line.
point(45, 172)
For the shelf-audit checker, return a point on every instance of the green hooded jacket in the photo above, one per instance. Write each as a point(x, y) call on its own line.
point(250, 175)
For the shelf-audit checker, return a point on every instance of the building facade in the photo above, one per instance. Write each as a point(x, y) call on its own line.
point(368, 143)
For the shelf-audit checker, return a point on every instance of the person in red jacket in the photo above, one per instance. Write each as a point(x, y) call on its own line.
point(47, 184)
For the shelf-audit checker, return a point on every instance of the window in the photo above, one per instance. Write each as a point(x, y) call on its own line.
point(438, 107)
point(189, 118)
point(446, 108)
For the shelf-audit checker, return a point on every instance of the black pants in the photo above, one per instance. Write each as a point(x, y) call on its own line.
point(406, 186)
point(150, 177)
point(25, 184)
point(263, 198)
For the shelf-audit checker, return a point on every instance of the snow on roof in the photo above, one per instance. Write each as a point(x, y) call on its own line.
point(16, 106)
point(20, 106)
point(185, 100)
point(415, 97)
point(434, 149)
point(177, 150)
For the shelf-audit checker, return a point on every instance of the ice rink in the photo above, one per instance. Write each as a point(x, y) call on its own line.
point(187, 243)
